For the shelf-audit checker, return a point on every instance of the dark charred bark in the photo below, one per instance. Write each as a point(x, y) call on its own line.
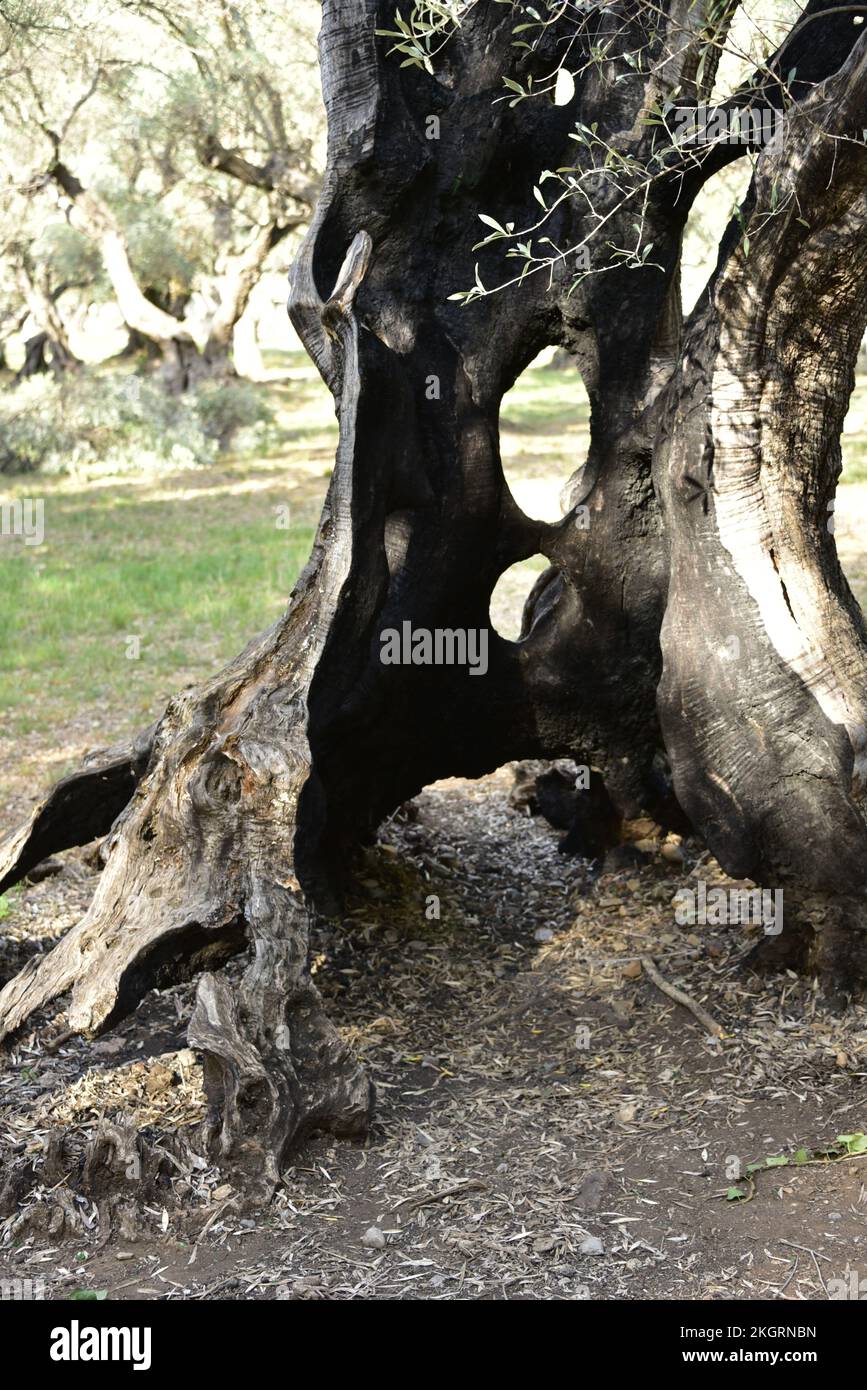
point(259, 785)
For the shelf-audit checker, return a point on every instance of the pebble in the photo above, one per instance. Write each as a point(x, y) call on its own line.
point(592, 1246)
point(373, 1238)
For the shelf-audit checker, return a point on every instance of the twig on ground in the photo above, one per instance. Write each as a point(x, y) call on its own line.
point(474, 1185)
point(680, 997)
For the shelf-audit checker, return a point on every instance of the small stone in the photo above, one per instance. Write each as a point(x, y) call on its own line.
point(543, 934)
point(673, 853)
point(632, 970)
point(220, 1194)
point(373, 1238)
point(592, 1246)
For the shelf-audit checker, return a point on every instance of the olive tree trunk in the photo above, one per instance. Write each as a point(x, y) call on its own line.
point(700, 514)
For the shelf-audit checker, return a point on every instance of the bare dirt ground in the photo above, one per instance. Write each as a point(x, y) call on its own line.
point(550, 1125)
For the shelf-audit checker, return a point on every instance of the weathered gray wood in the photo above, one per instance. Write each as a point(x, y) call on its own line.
point(763, 698)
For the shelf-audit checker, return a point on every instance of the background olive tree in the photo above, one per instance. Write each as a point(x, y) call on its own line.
point(156, 159)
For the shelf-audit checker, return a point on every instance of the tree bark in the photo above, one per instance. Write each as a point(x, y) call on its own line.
point(49, 348)
point(763, 697)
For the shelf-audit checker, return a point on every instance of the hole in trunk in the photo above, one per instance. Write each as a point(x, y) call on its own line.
point(511, 592)
point(849, 517)
point(708, 219)
point(544, 432)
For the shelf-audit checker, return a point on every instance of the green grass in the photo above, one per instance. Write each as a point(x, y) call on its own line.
point(192, 577)
point(193, 564)
point(545, 400)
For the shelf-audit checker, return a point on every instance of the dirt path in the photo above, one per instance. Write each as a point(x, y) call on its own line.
point(549, 1125)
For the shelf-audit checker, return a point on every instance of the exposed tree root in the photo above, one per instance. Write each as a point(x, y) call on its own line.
point(118, 1169)
point(78, 808)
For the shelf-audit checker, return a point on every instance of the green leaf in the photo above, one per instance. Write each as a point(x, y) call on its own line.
point(88, 1295)
point(853, 1143)
point(778, 1161)
point(735, 1194)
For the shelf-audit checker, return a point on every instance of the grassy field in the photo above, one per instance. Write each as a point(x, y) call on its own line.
point(191, 564)
point(194, 563)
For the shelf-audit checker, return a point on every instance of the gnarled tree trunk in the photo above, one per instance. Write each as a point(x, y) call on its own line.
point(706, 487)
point(185, 362)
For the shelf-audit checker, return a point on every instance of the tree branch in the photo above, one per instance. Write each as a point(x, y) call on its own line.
point(97, 221)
